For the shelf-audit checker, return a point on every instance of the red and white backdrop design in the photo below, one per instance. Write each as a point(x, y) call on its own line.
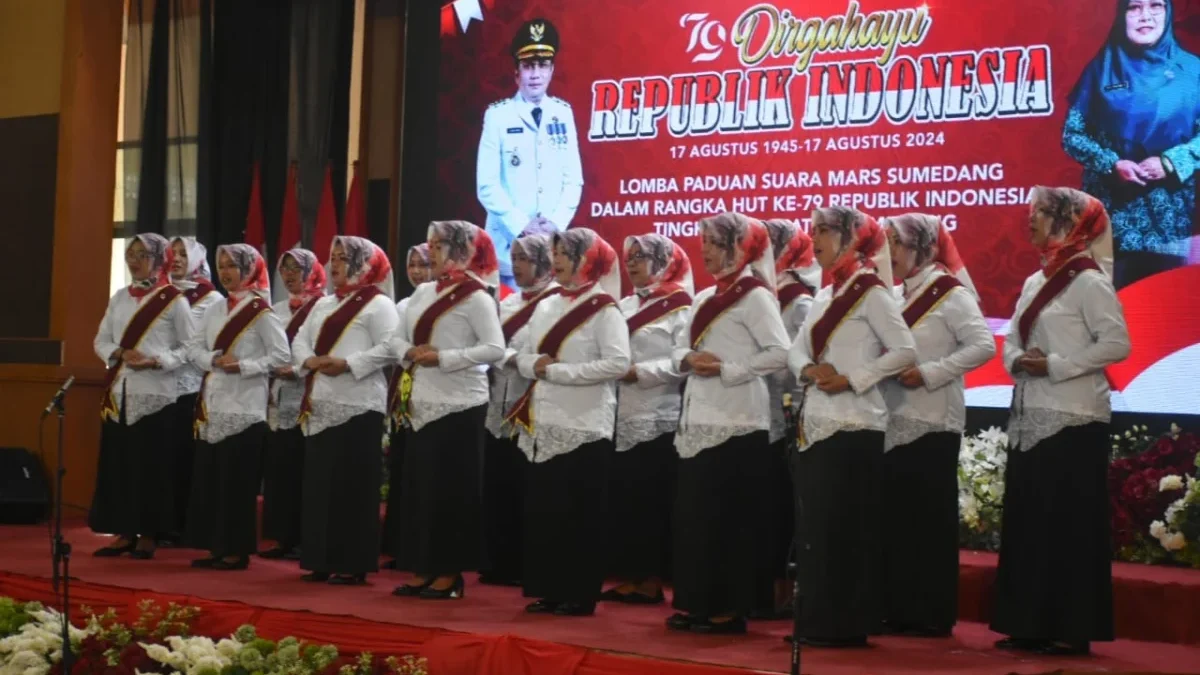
point(952, 108)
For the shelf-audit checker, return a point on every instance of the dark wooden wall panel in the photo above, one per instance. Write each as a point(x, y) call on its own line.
point(28, 174)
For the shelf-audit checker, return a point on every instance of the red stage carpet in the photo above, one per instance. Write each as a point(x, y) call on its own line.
point(487, 632)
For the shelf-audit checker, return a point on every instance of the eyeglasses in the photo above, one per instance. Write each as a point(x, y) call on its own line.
point(637, 257)
point(1156, 9)
point(290, 267)
point(138, 257)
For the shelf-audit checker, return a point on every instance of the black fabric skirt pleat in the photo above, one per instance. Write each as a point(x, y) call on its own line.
point(718, 529)
point(566, 502)
point(343, 469)
point(136, 477)
point(641, 496)
point(283, 486)
point(397, 441)
point(920, 491)
point(778, 516)
point(504, 468)
point(1054, 581)
point(838, 482)
point(441, 531)
point(223, 512)
point(183, 437)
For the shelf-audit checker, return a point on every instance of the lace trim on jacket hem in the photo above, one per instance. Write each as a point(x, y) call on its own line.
point(633, 432)
point(551, 441)
point(700, 437)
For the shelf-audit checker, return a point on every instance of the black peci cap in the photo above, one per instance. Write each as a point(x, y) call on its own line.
point(536, 39)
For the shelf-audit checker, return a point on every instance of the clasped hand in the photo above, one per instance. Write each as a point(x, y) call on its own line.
point(704, 364)
point(327, 365)
point(226, 363)
point(827, 378)
point(137, 360)
point(423, 355)
point(544, 361)
point(1033, 362)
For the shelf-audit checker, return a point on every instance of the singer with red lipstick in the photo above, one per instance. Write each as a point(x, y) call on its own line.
point(447, 338)
point(1054, 582)
point(141, 339)
point(926, 416)
point(237, 345)
point(340, 353)
point(722, 523)
point(852, 339)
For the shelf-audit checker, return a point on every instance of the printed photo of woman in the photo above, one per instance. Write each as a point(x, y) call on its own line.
point(1134, 125)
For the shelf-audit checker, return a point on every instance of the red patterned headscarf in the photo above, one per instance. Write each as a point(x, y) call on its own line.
point(1081, 224)
point(933, 243)
point(469, 252)
point(746, 244)
point(594, 262)
point(670, 269)
point(161, 257)
point(367, 265)
point(864, 245)
point(252, 269)
point(312, 273)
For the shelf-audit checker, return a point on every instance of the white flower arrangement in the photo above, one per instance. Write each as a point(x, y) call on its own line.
point(37, 644)
point(1169, 531)
point(982, 459)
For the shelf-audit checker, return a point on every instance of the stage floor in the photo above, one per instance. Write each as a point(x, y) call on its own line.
point(488, 611)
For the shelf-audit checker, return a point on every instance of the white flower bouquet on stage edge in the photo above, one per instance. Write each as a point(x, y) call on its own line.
point(981, 462)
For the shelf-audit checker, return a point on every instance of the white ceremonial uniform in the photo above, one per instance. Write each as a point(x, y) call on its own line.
point(507, 384)
point(188, 374)
point(649, 408)
point(576, 402)
point(952, 340)
point(286, 395)
point(146, 391)
point(364, 345)
point(752, 343)
point(1081, 331)
point(236, 401)
point(468, 339)
point(525, 170)
point(777, 383)
point(872, 343)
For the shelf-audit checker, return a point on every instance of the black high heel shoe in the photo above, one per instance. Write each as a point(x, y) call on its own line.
point(315, 577)
point(115, 551)
point(226, 566)
point(456, 591)
point(359, 579)
point(144, 553)
point(411, 590)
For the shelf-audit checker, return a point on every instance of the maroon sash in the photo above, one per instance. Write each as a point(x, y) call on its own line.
point(331, 331)
point(789, 293)
point(1053, 287)
point(715, 306)
point(298, 318)
point(841, 307)
point(522, 413)
point(657, 309)
point(521, 317)
point(201, 289)
point(139, 324)
point(929, 299)
point(398, 393)
point(235, 326)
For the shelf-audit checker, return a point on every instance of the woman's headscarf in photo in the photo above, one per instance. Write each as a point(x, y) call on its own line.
point(594, 261)
point(159, 250)
point(312, 273)
point(253, 270)
point(864, 244)
point(469, 253)
point(368, 266)
point(198, 271)
point(933, 243)
point(670, 269)
point(793, 253)
point(540, 249)
point(746, 244)
point(1081, 225)
point(421, 253)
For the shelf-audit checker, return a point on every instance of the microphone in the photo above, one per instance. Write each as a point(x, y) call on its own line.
point(58, 397)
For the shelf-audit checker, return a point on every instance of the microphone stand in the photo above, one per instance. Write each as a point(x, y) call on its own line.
point(791, 424)
point(61, 550)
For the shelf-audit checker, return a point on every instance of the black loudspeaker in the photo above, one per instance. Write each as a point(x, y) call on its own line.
point(24, 490)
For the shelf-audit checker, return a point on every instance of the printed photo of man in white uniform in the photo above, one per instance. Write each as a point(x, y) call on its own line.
point(528, 174)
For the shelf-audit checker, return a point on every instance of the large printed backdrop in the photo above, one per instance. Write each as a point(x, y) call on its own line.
point(973, 171)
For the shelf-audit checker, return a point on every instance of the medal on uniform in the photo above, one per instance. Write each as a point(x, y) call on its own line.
point(558, 132)
point(515, 161)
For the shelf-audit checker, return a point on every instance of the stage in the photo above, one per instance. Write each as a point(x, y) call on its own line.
point(487, 632)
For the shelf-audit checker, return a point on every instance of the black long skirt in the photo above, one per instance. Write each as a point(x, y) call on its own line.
point(566, 502)
point(183, 437)
point(641, 496)
point(778, 517)
point(223, 512)
point(838, 482)
point(1054, 581)
point(920, 491)
point(283, 486)
point(504, 468)
point(397, 440)
point(340, 516)
point(441, 531)
point(717, 556)
point(135, 477)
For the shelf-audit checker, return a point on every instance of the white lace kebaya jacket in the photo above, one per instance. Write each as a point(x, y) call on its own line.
point(236, 401)
point(1081, 331)
point(507, 383)
point(649, 408)
point(782, 380)
point(468, 339)
point(752, 343)
point(952, 340)
point(575, 403)
point(872, 343)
